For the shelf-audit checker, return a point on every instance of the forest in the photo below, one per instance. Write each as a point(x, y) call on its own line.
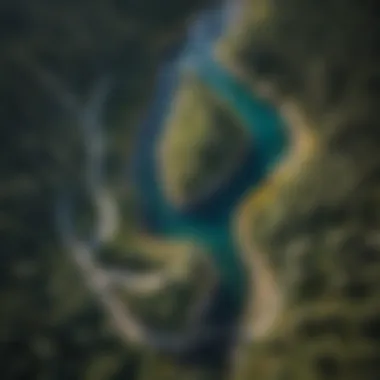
point(189, 190)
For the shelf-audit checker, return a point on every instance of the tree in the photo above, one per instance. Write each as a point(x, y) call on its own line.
point(311, 229)
point(53, 55)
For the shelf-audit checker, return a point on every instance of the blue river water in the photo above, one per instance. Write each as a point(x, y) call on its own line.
point(208, 222)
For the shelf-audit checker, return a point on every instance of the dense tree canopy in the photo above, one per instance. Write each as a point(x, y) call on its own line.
point(49, 326)
point(310, 229)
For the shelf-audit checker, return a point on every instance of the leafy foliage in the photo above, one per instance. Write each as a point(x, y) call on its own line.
point(50, 327)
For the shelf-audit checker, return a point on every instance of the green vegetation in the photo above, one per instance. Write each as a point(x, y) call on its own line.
point(308, 233)
point(310, 229)
point(202, 144)
point(51, 327)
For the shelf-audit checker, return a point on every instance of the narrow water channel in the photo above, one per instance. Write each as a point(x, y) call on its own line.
point(198, 43)
point(208, 222)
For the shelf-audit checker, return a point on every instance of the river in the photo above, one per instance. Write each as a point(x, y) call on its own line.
point(209, 222)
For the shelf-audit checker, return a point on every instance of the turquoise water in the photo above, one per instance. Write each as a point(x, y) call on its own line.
point(209, 222)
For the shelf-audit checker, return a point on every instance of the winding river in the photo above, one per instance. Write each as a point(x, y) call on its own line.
point(209, 222)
